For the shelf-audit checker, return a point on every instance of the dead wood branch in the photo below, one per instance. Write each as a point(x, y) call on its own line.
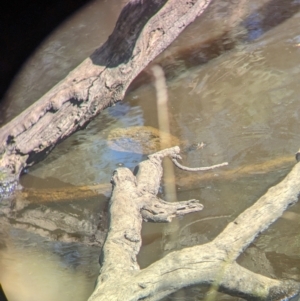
point(212, 263)
point(186, 180)
point(143, 30)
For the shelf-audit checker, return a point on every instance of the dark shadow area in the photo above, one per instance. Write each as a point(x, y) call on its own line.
point(2, 295)
point(269, 16)
point(119, 46)
point(24, 25)
point(272, 14)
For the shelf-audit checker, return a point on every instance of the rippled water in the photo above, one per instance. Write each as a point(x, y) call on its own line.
point(233, 82)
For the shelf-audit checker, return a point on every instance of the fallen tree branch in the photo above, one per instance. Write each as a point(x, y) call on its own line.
point(138, 194)
point(213, 263)
point(143, 30)
point(238, 235)
point(187, 181)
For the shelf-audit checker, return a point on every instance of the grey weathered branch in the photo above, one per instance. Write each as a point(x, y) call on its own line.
point(131, 202)
point(213, 263)
point(238, 235)
point(159, 211)
point(143, 30)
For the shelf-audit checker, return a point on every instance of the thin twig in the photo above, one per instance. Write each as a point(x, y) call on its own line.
point(175, 157)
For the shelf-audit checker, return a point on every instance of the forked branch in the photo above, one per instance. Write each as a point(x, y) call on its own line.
point(134, 199)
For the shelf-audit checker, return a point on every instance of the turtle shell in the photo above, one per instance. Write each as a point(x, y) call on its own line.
point(140, 139)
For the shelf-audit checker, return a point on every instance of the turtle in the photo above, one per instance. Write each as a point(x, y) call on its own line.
point(140, 139)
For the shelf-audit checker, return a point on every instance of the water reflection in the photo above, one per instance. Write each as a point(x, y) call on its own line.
point(242, 103)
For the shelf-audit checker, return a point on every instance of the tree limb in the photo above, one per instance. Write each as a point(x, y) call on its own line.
point(238, 235)
point(213, 263)
point(143, 30)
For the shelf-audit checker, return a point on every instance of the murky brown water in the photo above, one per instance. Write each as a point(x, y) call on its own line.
point(233, 83)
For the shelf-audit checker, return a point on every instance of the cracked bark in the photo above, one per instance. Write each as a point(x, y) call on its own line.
point(213, 263)
point(143, 30)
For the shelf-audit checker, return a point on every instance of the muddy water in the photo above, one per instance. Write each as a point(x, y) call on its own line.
point(233, 84)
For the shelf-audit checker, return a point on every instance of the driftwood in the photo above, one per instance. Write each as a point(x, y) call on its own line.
point(143, 30)
point(214, 263)
point(134, 199)
point(186, 181)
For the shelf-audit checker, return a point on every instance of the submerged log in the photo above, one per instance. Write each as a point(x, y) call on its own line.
point(185, 180)
point(143, 30)
point(214, 263)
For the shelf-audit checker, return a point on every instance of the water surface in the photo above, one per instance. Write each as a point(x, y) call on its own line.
point(233, 83)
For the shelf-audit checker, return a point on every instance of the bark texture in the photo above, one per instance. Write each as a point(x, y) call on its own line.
point(143, 30)
point(213, 263)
